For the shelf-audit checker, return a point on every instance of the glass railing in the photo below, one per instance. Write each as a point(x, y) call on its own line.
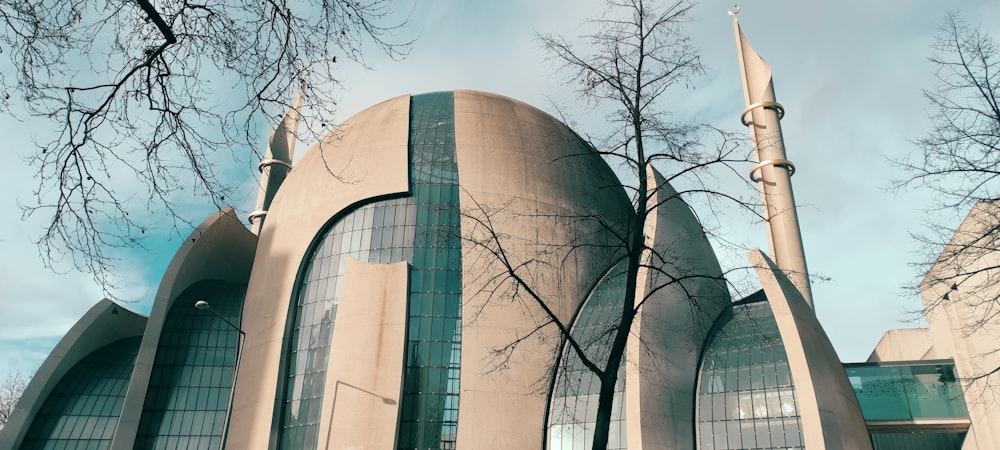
point(907, 391)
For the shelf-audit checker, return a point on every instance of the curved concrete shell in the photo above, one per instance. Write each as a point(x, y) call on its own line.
point(829, 411)
point(746, 394)
point(364, 158)
point(102, 325)
point(683, 291)
point(221, 248)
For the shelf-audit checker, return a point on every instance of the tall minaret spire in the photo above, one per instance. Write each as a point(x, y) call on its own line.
point(277, 162)
point(773, 172)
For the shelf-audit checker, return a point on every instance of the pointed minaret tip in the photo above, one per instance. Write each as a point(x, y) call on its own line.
point(277, 159)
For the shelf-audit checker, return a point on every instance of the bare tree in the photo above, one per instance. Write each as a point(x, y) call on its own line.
point(635, 57)
point(959, 159)
point(151, 100)
point(11, 387)
point(959, 162)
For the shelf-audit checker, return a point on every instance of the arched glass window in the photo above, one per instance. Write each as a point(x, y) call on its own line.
point(189, 387)
point(746, 395)
point(573, 410)
point(83, 409)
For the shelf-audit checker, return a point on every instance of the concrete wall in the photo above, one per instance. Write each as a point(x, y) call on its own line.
point(221, 248)
point(830, 415)
point(103, 323)
point(672, 325)
point(908, 344)
point(960, 301)
point(364, 158)
point(363, 395)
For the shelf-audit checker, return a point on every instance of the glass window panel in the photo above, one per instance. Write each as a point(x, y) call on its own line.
point(793, 435)
point(738, 358)
point(576, 387)
point(193, 367)
point(904, 392)
point(76, 410)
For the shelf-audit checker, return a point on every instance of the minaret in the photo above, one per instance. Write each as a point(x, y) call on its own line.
point(276, 163)
point(773, 172)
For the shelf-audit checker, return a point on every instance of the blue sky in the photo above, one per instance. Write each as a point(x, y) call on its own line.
point(849, 74)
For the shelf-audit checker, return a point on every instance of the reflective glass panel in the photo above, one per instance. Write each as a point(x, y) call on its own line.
point(910, 391)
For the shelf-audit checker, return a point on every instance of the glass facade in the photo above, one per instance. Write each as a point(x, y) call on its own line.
point(82, 410)
point(189, 387)
point(422, 229)
point(907, 391)
point(573, 409)
point(429, 418)
point(746, 395)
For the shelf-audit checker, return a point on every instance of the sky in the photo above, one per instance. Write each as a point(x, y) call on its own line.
point(850, 75)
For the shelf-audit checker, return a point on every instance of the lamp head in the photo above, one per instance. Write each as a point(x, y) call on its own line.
point(201, 304)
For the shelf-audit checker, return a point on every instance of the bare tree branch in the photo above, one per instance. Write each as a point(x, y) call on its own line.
point(151, 100)
point(959, 161)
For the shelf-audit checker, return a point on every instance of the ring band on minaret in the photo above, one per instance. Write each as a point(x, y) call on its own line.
point(252, 217)
point(270, 161)
point(766, 105)
point(783, 163)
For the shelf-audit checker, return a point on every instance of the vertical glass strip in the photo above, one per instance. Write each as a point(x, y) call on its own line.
point(429, 417)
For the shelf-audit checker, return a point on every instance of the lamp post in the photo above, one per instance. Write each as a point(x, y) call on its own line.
point(204, 305)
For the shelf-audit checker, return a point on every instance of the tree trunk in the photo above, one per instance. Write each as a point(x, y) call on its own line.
point(605, 402)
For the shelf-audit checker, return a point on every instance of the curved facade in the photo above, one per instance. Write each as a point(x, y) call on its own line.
point(682, 291)
point(827, 405)
point(105, 324)
point(422, 230)
point(573, 412)
point(220, 249)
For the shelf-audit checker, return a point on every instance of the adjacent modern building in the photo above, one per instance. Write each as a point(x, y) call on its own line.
point(399, 288)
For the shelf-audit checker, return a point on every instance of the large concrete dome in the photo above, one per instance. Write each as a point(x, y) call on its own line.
point(414, 195)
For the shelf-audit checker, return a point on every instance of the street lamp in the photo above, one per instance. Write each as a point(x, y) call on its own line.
point(203, 305)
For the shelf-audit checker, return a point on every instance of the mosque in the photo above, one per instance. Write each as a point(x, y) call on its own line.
point(404, 285)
